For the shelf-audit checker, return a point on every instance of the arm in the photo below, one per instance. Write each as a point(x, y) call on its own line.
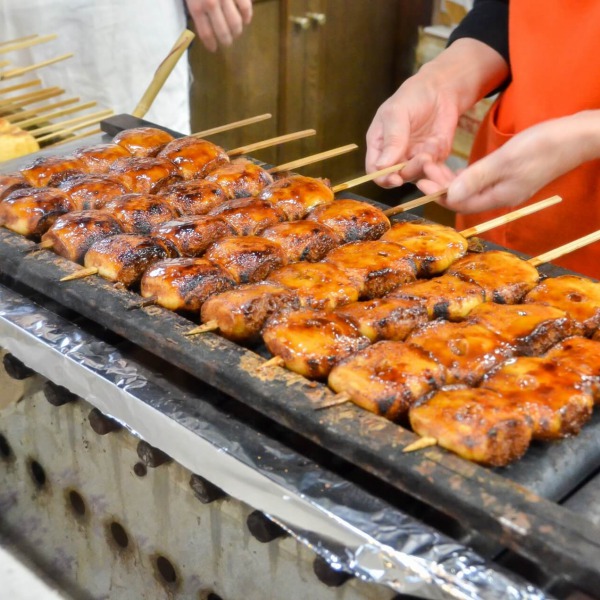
point(418, 122)
point(219, 22)
point(526, 163)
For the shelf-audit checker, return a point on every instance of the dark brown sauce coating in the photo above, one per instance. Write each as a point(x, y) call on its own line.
point(52, 170)
point(387, 377)
point(352, 220)
point(99, 158)
point(247, 259)
point(505, 277)
point(377, 267)
point(240, 313)
point(73, 234)
point(310, 341)
point(240, 179)
point(195, 197)
point(194, 157)
point(248, 216)
point(143, 141)
point(184, 283)
point(31, 211)
point(140, 213)
point(297, 195)
point(92, 192)
point(10, 182)
point(125, 257)
point(192, 235)
point(144, 175)
point(303, 240)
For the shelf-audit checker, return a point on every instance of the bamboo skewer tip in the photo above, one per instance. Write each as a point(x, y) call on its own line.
point(368, 177)
point(420, 444)
point(211, 325)
point(84, 272)
point(276, 361)
point(337, 400)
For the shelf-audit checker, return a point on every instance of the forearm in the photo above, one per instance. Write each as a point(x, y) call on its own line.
point(467, 70)
point(585, 135)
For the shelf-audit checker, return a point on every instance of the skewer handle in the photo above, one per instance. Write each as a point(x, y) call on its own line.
point(565, 249)
point(34, 112)
point(281, 139)
point(27, 42)
point(337, 400)
point(276, 361)
point(53, 115)
point(21, 71)
point(369, 177)
point(20, 86)
point(234, 125)
point(74, 138)
point(80, 274)
point(162, 73)
point(81, 125)
point(420, 444)
point(512, 216)
point(211, 325)
point(414, 203)
point(313, 158)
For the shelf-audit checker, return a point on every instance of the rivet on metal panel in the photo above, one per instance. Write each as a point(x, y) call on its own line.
point(262, 528)
point(151, 456)
point(204, 490)
point(102, 424)
point(15, 368)
point(57, 395)
point(327, 574)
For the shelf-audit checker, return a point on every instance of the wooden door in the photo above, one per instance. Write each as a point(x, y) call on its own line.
point(240, 81)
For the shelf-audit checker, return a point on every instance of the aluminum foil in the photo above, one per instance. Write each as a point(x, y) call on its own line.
point(353, 530)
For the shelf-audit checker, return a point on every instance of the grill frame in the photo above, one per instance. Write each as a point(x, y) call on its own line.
point(496, 504)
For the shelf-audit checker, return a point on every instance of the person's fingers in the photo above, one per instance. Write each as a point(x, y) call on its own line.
point(427, 186)
point(374, 141)
point(220, 25)
point(439, 172)
point(395, 136)
point(233, 19)
point(204, 30)
point(245, 8)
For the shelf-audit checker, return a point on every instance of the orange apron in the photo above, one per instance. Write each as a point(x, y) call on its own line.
point(555, 51)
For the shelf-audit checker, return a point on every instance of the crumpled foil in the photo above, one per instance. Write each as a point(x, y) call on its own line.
point(353, 530)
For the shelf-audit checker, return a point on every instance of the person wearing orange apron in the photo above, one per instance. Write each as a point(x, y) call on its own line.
point(551, 51)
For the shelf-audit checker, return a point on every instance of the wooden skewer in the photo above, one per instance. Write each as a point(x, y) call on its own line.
point(81, 125)
point(149, 301)
point(276, 361)
point(4, 63)
point(59, 113)
point(29, 96)
point(337, 400)
point(163, 72)
point(551, 255)
point(414, 203)
point(20, 86)
point(21, 71)
point(38, 133)
point(45, 95)
point(369, 177)
point(211, 325)
point(21, 39)
point(234, 125)
point(20, 45)
point(74, 138)
point(308, 160)
point(512, 216)
point(420, 444)
point(42, 109)
point(80, 274)
point(281, 139)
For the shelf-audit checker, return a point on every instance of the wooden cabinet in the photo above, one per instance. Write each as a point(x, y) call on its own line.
point(322, 64)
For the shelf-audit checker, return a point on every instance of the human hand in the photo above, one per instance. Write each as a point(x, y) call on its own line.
point(517, 170)
point(417, 125)
point(219, 22)
point(418, 122)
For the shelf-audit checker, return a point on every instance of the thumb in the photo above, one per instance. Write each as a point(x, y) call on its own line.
point(473, 180)
point(394, 145)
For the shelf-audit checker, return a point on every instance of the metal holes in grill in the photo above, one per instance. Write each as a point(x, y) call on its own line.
point(5, 450)
point(37, 473)
point(77, 503)
point(165, 571)
point(119, 535)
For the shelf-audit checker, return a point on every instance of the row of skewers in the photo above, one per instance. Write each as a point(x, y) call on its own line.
point(310, 315)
